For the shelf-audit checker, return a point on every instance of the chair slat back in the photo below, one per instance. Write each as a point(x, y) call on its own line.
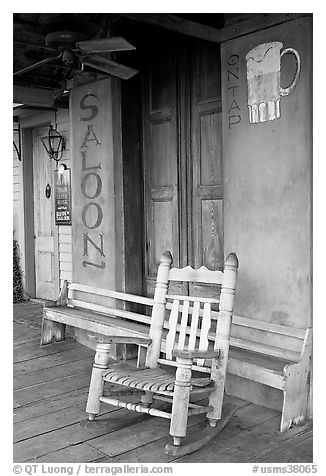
point(205, 327)
point(170, 339)
point(188, 323)
point(183, 325)
point(189, 318)
point(200, 275)
point(194, 326)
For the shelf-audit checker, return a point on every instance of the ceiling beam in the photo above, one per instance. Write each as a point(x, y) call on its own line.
point(34, 96)
point(180, 25)
point(258, 21)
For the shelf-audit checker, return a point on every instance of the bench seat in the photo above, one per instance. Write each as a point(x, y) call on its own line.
point(257, 367)
point(98, 323)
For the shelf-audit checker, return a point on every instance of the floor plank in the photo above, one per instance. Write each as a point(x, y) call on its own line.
point(154, 451)
point(233, 449)
point(60, 418)
point(80, 453)
point(45, 423)
point(28, 450)
point(137, 435)
point(50, 361)
point(32, 350)
point(25, 380)
point(29, 343)
point(48, 405)
point(49, 389)
point(21, 334)
point(297, 448)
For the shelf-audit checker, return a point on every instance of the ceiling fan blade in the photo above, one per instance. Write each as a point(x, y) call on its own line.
point(109, 67)
point(116, 43)
point(36, 65)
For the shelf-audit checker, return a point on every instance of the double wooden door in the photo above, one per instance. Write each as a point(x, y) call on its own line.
point(182, 152)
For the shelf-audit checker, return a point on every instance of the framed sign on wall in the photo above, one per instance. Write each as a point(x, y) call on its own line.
point(62, 196)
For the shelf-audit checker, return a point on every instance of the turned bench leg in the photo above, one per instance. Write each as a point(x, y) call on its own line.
point(52, 331)
point(96, 386)
point(181, 394)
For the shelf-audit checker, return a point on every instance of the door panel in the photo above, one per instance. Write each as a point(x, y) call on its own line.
point(206, 123)
point(162, 219)
point(210, 147)
point(45, 232)
point(160, 162)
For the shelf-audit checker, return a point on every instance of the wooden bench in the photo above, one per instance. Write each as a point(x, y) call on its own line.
point(269, 364)
point(78, 307)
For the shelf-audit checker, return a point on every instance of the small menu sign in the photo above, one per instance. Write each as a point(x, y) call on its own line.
point(62, 196)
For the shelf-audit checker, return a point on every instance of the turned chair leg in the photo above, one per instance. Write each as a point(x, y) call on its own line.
point(216, 397)
point(147, 399)
point(96, 387)
point(181, 394)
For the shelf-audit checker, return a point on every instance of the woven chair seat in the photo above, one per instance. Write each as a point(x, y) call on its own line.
point(155, 380)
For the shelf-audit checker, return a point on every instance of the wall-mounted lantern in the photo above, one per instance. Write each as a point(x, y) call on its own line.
point(54, 144)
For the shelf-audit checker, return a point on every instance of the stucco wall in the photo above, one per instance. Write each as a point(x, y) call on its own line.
point(267, 177)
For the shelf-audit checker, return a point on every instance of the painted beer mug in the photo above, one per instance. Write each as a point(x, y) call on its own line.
point(264, 80)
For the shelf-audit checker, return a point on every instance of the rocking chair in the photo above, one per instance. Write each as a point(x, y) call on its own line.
point(187, 334)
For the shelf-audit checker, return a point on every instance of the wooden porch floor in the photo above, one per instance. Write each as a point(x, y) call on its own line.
point(50, 392)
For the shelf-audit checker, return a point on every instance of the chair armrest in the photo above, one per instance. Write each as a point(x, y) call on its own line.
point(126, 340)
point(196, 354)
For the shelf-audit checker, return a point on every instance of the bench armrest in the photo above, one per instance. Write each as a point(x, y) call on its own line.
point(196, 354)
point(62, 300)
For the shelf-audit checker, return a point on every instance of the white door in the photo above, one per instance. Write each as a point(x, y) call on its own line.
point(45, 231)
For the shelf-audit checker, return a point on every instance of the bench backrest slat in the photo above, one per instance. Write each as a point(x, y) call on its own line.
point(269, 326)
point(111, 311)
point(265, 349)
point(267, 338)
point(108, 293)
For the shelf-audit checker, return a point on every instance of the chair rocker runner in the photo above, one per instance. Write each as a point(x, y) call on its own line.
point(185, 334)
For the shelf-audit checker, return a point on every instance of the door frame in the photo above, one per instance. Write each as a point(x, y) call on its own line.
point(28, 242)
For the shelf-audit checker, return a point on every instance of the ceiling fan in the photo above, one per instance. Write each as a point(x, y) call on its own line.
point(72, 49)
